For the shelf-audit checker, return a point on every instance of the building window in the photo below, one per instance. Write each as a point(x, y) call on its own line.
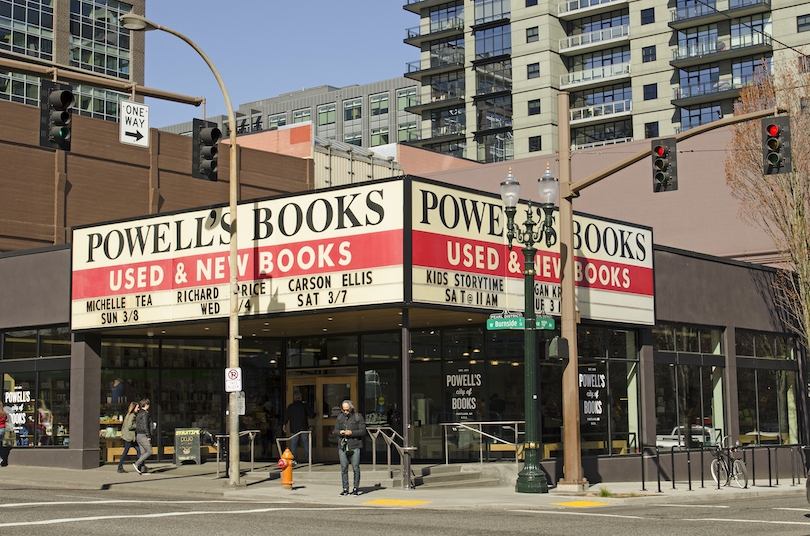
point(647, 16)
point(353, 138)
point(804, 64)
point(39, 405)
point(492, 77)
point(533, 70)
point(496, 147)
point(98, 42)
point(532, 34)
point(27, 31)
point(530, 3)
point(278, 120)
point(352, 109)
point(494, 113)
point(651, 130)
point(650, 91)
point(379, 104)
point(379, 136)
point(648, 54)
point(803, 23)
point(406, 98)
point(534, 107)
point(326, 115)
point(407, 132)
point(302, 116)
point(493, 42)
point(534, 144)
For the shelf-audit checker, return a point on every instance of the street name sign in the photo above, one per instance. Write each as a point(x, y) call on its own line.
point(133, 118)
point(518, 323)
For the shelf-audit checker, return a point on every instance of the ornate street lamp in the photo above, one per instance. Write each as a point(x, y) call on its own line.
point(531, 478)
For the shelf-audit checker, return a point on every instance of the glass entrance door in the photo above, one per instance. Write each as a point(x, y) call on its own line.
point(325, 395)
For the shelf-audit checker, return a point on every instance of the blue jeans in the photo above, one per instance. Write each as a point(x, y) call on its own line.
point(128, 444)
point(344, 467)
point(294, 444)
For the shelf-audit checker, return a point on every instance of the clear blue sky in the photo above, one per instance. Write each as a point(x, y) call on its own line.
point(263, 48)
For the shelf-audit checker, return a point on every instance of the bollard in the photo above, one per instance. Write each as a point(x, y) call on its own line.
point(658, 466)
point(689, 466)
point(642, 470)
point(285, 463)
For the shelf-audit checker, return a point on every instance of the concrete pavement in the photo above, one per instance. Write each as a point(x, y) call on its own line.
point(322, 486)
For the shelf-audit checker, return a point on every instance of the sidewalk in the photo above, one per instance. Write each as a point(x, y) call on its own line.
point(324, 487)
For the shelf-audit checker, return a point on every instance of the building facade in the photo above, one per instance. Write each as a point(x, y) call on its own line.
point(80, 35)
point(367, 115)
point(490, 70)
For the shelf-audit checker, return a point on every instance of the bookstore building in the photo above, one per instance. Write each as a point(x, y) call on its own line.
point(674, 348)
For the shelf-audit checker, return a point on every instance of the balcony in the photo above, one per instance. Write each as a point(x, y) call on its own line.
point(694, 54)
point(436, 64)
point(706, 92)
point(416, 6)
point(600, 112)
point(579, 44)
point(714, 11)
point(595, 77)
point(438, 99)
point(443, 28)
point(602, 143)
point(574, 9)
point(449, 132)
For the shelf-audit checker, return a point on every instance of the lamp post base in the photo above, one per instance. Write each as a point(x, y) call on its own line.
point(580, 485)
point(531, 480)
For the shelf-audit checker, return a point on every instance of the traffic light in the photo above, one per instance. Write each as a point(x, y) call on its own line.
point(205, 136)
point(664, 165)
point(776, 145)
point(55, 100)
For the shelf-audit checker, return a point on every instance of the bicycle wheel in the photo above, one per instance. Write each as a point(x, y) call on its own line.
point(719, 467)
point(740, 473)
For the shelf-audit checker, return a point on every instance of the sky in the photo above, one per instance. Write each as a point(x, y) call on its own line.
point(263, 48)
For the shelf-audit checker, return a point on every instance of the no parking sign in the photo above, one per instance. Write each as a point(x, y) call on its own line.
point(233, 380)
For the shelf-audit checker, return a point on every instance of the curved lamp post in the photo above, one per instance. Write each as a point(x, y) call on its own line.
point(137, 23)
point(531, 478)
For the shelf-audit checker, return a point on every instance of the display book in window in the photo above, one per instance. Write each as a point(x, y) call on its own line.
point(53, 410)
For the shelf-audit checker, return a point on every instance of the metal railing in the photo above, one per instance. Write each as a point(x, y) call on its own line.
point(390, 436)
point(289, 439)
point(469, 425)
point(705, 88)
point(454, 23)
point(599, 36)
point(711, 7)
point(436, 60)
point(576, 5)
point(589, 75)
point(697, 50)
point(601, 143)
point(601, 110)
point(218, 440)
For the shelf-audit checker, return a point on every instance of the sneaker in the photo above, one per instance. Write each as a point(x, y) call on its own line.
point(356, 491)
point(135, 465)
point(121, 469)
point(344, 493)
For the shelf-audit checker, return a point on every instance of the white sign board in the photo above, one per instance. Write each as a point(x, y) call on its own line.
point(133, 119)
point(233, 380)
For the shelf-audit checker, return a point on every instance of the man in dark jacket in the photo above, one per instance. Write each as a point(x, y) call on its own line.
point(297, 416)
point(143, 435)
point(350, 428)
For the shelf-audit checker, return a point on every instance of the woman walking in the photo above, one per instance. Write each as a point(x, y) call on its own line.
point(128, 435)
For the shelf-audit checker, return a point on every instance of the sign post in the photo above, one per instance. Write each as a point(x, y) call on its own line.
point(133, 118)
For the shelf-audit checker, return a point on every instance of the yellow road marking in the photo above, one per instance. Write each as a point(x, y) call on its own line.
point(581, 504)
point(395, 502)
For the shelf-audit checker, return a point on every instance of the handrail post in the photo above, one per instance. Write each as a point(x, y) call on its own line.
point(672, 459)
point(689, 466)
point(770, 481)
point(642, 469)
point(658, 466)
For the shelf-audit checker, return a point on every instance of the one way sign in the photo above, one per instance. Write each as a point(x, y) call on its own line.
point(133, 119)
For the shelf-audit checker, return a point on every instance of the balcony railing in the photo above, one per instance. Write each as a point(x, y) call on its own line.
point(698, 50)
point(600, 143)
point(575, 5)
point(590, 75)
point(453, 129)
point(704, 88)
point(601, 110)
point(438, 60)
point(711, 7)
point(438, 95)
point(455, 23)
point(617, 32)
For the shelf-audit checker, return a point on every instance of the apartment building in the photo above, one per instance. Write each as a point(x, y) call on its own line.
point(490, 70)
point(77, 35)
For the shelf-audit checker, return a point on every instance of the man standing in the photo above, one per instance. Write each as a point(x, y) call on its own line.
point(350, 427)
point(297, 415)
point(143, 435)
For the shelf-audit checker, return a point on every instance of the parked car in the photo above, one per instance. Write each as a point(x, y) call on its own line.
point(702, 436)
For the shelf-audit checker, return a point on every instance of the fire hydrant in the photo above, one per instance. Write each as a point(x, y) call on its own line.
point(285, 463)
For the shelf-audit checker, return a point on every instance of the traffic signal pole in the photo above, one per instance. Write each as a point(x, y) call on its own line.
point(573, 478)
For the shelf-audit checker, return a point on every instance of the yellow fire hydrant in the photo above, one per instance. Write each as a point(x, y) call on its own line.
point(285, 462)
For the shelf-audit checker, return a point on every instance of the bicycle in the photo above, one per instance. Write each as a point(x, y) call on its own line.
point(725, 466)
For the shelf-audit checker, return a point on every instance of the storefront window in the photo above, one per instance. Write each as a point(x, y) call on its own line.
point(44, 342)
point(20, 344)
point(260, 360)
point(767, 406)
point(322, 351)
point(764, 345)
point(426, 394)
point(381, 347)
point(38, 404)
point(689, 339)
